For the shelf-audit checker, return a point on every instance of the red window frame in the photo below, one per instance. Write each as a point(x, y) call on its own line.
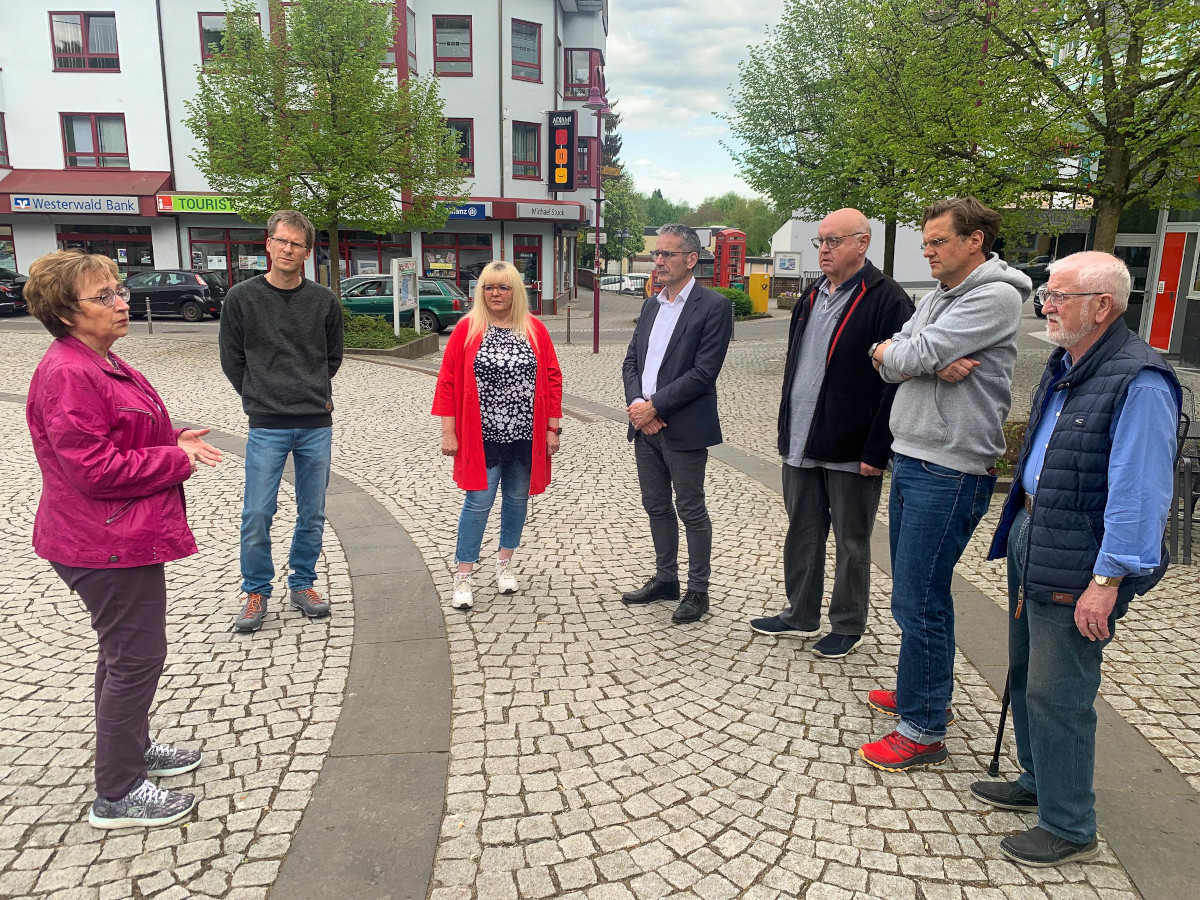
point(530, 72)
point(585, 163)
point(3, 145)
point(530, 243)
point(580, 90)
point(468, 160)
point(454, 60)
point(536, 161)
point(205, 55)
point(86, 57)
point(95, 153)
point(410, 38)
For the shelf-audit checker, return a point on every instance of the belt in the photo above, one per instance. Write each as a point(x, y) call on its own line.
point(1029, 503)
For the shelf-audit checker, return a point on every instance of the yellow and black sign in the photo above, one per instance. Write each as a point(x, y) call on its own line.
point(562, 150)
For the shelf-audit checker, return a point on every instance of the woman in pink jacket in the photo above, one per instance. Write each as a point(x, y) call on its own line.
point(110, 515)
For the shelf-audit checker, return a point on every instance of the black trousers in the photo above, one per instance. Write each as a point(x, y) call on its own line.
point(659, 470)
point(129, 616)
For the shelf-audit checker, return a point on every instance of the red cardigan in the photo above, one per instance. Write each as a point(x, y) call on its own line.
point(458, 395)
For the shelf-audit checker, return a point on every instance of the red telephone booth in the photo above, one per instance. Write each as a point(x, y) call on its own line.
point(729, 257)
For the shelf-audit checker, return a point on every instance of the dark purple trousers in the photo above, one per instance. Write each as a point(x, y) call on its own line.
point(129, 616)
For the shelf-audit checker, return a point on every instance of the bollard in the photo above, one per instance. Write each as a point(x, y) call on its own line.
point(568, 323)
point(149, 318)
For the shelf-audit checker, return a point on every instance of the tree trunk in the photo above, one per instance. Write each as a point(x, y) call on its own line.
point(335, 258)
point(1111, 196)
point(889, 244)
point(1108, 217)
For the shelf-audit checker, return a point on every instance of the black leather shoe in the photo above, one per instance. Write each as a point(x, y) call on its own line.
point(1040, 849)
point(653, 590)
point(1005, 795)
point(691, 608)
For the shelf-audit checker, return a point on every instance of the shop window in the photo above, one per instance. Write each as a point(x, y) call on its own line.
point(361, 253)
point(584, 69)
point(411, 40)
point(235, 254)
point(3, 143)
point(526, 51)
point(465, 130)
point(452, 45)
point(8, 249)
point(526, 162)
point(455, 257)
point(85, 40)
point(129, 246)
point(212, 34)
point(93, 141)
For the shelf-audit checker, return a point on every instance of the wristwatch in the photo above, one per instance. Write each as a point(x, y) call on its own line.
point(557, 431)
point(871, 350)
point(1106, 580)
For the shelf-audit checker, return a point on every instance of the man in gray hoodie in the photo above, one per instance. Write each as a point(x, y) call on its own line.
point(954, 362)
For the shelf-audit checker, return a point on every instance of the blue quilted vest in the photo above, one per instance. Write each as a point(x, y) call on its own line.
point(1068, 512)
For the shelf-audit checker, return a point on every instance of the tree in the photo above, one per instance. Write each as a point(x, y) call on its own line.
point(308, 118)
point(660, 211)
point(610, 154)
point(622, 215)
point(753, 215)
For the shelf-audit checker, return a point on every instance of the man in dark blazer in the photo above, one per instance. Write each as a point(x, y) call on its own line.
point(670, 376)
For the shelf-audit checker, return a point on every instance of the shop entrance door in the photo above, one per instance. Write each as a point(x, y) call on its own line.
point(1169, 270)
point(1137, 258)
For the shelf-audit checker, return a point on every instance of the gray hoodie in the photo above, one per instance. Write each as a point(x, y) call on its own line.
point(958, 425)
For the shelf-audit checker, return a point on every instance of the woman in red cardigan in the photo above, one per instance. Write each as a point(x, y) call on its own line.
point(499, 394)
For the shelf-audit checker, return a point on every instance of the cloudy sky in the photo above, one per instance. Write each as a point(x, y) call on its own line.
point(670, 64)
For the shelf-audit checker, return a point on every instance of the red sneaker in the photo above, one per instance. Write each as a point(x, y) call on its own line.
point(885, 702)
point(895, 753)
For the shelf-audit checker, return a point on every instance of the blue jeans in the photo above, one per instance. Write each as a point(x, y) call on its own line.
point(513, 481)
point(933, 513)
point(267, 450)
point(1053, 677)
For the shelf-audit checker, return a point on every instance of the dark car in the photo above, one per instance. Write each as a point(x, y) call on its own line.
point(173, 292)
point(12, 286)
point(442, 303)
point(1038, 271)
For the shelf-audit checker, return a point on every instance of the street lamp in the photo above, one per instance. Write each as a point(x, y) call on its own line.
point(598, 102)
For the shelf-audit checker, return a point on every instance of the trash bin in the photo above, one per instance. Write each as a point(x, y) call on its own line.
point(760, 292)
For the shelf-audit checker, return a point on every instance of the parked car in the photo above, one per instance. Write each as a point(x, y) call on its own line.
point(442, 303)
point(632, 283)
point(12, 286)
point(172, 292)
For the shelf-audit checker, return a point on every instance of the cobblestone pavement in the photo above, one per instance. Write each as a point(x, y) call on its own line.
point(596, 751)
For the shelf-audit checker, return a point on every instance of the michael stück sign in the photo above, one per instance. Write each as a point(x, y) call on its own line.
point(562, 150)
point(73, 203)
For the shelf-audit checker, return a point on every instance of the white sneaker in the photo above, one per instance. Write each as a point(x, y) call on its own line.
point(463, 597)
point(506, 581)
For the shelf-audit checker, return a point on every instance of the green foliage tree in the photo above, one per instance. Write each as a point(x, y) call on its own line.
point(622, 215)
point(753, 215)
point(308, 118)
point(660, 211)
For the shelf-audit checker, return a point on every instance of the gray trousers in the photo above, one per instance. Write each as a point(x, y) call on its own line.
point(659, 469)
point(814, 499)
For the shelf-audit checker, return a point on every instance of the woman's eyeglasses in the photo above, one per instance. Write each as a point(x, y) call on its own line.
point(502, 288)
point(109, 298)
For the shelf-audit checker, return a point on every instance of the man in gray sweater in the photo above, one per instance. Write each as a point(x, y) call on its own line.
point(954, 361)
point(281, 344)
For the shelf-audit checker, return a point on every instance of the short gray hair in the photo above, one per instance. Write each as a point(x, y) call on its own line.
point(1100, 272)
point(686, 235)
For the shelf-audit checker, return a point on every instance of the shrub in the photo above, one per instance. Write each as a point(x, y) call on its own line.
point(1014, 436)
point(373, 332)
point(740, 299)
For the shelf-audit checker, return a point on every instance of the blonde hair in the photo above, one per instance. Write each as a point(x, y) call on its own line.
point(53, 282)
point(500, 272)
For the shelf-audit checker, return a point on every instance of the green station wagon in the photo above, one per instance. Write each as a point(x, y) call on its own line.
point(442, 303)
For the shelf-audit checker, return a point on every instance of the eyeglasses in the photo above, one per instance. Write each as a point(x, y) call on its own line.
point(288, 245)
point(502, 288)
point(109, 298)
point(834, 240)
point(1057, 298)
point(668, 255)
point(935, 243)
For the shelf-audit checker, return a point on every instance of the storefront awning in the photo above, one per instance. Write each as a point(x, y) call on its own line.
point(101, 183)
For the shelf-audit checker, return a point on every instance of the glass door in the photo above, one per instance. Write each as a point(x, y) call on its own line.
point(1137, 257)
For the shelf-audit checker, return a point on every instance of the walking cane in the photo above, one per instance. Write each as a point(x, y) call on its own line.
point(993, 769)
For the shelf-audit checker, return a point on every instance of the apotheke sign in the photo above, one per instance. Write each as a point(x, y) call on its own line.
point(73, 203)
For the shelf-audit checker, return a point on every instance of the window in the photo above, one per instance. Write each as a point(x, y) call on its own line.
point(3, 143)
point(459, 258)
point(526, 51)
point(412, 41)
point(583, 161)
point(94, 141)
point(525, 160)
point(452, 45)
point(212, 34)
point(465, 129)
point(8, 252)
point(85, 41)
point(582, 66)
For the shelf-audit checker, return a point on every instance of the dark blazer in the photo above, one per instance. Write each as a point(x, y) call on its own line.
point(850, 423)
point(686, 398)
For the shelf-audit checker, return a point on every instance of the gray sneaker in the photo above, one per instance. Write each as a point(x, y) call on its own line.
point(145, 805)
point(254, 610)
point(309, 602)
point(162, 759)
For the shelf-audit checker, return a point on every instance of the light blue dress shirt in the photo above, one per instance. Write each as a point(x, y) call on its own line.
point(1140, 471)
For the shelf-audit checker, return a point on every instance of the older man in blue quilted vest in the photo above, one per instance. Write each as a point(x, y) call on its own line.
point(1082, 530)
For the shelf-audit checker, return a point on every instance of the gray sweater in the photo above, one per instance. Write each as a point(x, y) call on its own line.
point(958, 425)
point(280, 350)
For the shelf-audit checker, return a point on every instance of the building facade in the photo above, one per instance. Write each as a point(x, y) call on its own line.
point(94, 153)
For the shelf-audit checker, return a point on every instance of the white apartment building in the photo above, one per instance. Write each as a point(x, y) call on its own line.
point(94, 153)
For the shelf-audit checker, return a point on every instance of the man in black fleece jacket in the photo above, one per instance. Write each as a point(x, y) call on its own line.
point(281, 344)
point(834, 436)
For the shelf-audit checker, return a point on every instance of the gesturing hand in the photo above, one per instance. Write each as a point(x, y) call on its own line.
point(198, 451)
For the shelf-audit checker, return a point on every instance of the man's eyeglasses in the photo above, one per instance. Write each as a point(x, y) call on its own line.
point(1057, 298)
point(833, 240)
point(109, 298)
point(288, 245)
point(668, 255)
point(502, 288)
point(935, 243)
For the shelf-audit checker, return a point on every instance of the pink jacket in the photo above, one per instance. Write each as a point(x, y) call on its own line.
point(112, 475)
